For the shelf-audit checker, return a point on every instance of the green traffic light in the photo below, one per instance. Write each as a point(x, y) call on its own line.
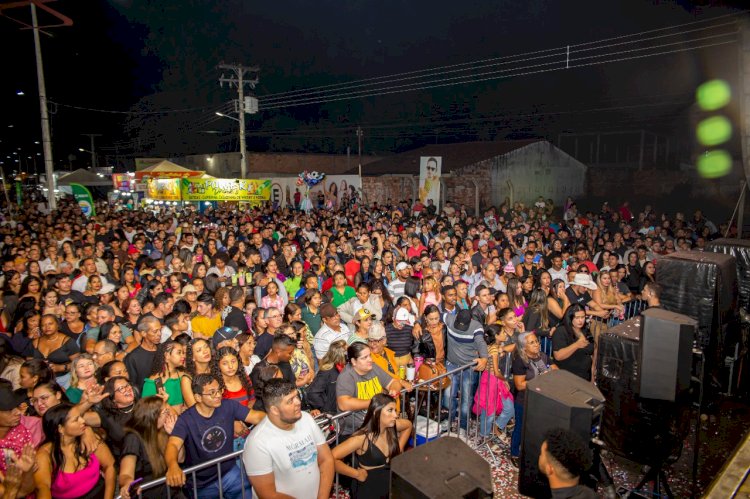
point(713, 95)
point(714, 164)
point(714, 131)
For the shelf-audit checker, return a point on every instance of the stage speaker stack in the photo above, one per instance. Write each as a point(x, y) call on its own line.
point(738, 377)
point(703, 285)
point(643, 371)
point(740, 250)
point(445, 468)
point(666, 354)
point(556, 399)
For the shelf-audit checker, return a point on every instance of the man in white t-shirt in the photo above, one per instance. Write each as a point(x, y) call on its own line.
point(286, 453)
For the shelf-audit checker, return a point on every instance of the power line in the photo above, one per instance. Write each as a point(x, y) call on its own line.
point(561, 65)
point(112, 111)
point(430, 72)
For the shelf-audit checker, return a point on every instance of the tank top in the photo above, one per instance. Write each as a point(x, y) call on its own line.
point(76, 484)
point(238, 396)
point(372, 456)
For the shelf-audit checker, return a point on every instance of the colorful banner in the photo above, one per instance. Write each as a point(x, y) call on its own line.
point(122, 182)
point(253, 191)
point(430, 169)
point(335, 189)
point(163, 189)
point(139, 176)
point(84, 199)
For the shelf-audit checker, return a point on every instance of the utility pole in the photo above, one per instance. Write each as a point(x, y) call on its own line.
point(238, 80)
point(46, 136)
point(93, 150)
point(359, 151)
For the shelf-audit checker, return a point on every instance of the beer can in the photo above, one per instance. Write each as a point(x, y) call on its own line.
point(402, 372)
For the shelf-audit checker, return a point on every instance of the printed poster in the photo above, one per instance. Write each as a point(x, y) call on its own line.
point(430, 169)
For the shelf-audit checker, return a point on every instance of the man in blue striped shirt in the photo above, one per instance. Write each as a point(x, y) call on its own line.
point(465, 345)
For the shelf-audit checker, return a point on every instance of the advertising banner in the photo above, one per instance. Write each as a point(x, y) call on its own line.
point(84, 199)
point(253, 191)
point(430, 169)
point(332, 191)
point(163, 189)
point(122, 181)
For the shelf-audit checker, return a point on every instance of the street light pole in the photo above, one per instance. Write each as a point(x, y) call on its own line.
point(92, 150)
point(240, 81)
point(46, 137)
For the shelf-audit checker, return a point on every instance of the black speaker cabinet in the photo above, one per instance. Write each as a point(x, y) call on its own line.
point(557, 399)
point(641, 429)
point(740, 250)
point(445, 468)
point(666, 354)
point(703, 285)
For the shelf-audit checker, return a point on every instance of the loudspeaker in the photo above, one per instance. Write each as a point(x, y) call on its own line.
point(740, 250)
point(666, 354)
point(445, 468)
point(703, 285)
point(556, 399)
point(641, 429)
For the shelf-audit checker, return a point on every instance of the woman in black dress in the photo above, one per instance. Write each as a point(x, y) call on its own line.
point(57, 349)
point(572, 344)
point(382, 437)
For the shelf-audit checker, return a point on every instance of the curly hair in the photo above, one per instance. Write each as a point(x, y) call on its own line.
point(243, 377)
point(159, 365)
point(189, 360)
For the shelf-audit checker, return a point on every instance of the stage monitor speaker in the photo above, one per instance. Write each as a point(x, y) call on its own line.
point(556, 399)
point(445, 468)
point(666, 354)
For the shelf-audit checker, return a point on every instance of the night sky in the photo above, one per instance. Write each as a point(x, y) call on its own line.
point(146, 56)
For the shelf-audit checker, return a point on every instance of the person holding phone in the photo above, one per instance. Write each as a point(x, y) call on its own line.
point(143, 448)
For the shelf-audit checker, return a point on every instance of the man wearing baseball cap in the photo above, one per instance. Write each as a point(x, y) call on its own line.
point(331, 330)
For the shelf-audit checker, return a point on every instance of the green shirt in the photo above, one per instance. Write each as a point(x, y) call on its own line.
point(74, 394)
point(338, 299)
point(171, 386)
point(292, 285)
point(313, 321)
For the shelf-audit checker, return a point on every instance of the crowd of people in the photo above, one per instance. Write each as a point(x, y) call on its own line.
point(139, 342)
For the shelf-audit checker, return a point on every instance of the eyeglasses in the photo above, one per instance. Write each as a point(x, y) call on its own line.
point(124, 388)
point(211, 393)
point(372, 340)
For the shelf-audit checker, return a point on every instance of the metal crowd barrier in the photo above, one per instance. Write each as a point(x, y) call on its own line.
point(431, 410)
point(412, 403)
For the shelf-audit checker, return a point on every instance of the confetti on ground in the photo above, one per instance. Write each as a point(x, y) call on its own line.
point(718, 438)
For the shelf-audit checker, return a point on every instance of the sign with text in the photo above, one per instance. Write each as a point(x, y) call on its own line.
point(163, 189)
point(253, 191)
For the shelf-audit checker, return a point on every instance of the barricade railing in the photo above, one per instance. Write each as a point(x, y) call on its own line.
point(424, 392)
point(434, 410)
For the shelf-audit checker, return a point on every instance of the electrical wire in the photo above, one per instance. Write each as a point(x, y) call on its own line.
point(431, 72)
point(563, 64)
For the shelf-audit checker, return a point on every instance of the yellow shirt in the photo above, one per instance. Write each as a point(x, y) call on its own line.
point(204, 326)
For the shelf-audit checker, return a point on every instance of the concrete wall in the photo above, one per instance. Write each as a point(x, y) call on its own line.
point(539, 169)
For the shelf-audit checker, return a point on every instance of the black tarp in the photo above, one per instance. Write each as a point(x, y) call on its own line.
point(740, 250)
point(643, 430)
point(703, 285)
